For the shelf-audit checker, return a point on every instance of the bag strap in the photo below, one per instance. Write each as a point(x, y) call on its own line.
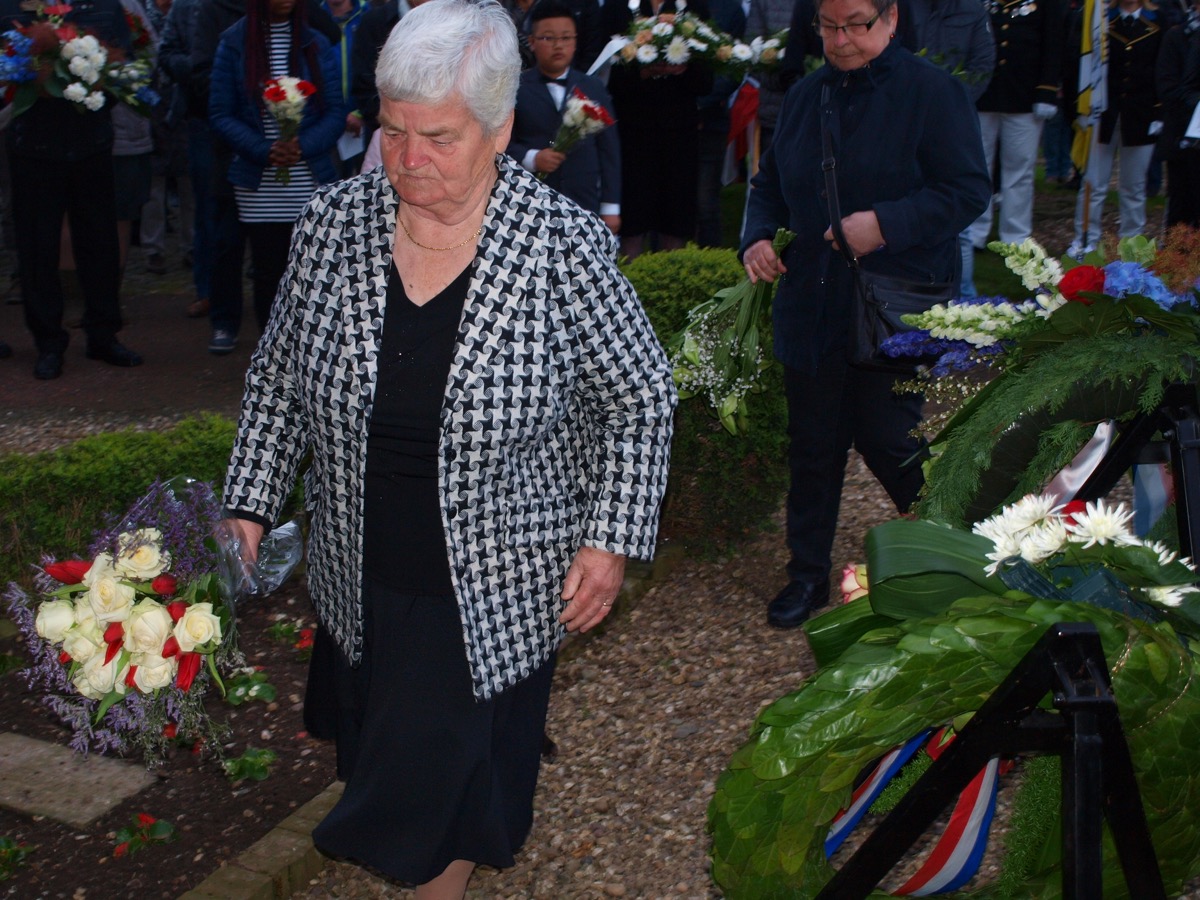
point(829, 117)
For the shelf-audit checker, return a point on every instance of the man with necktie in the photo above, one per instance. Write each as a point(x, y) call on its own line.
point(591, 173)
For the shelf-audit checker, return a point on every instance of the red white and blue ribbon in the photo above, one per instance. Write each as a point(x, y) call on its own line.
point(865, 794)
point(959, 850)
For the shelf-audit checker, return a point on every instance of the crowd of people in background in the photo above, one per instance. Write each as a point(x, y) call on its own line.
point(80, 182)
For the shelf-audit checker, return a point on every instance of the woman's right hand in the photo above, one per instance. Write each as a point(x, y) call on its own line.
point(248, 535)
point(762, 262)
point(284, 153)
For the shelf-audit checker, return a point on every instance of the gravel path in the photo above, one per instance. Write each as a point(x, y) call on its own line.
point(646, 715)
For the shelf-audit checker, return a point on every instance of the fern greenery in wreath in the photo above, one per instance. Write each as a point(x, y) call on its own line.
point(1098, 340)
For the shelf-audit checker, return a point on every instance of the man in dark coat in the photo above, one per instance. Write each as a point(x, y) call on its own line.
point(591, 173)
point(1178, 82)
point(60, 156)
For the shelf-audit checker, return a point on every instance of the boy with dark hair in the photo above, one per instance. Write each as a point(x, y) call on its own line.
point(591, 173)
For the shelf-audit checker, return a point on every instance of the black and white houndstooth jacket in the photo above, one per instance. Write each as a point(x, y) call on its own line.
point(556, 425)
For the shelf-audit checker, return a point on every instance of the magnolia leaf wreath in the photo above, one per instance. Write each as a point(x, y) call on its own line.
point(773, 806)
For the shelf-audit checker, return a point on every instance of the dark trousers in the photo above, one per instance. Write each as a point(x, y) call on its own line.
point(229, 246)
point(839, 407)
point(1183, 190)
point(200, 170)
point(269, 245)
point(43, 192)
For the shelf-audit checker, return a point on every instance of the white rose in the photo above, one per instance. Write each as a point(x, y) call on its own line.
point(197, 627)
point(101, 566)
point(111, 600)
point(54, 618)
point(94, 101)
point(84, 641)
point(152, 674)
point(95, 679)
point(140, 554)
point(84, 614)
point(148, 627)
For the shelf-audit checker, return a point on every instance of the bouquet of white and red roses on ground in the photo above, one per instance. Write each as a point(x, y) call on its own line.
point(582, 117)
point(127, 643)
point(285, 98)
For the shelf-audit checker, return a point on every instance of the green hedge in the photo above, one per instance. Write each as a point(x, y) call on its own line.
point(722, 487)
point(54, 502)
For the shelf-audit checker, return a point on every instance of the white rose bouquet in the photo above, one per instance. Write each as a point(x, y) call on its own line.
point(127, 644)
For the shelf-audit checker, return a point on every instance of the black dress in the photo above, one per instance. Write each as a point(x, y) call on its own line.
point(431, 775)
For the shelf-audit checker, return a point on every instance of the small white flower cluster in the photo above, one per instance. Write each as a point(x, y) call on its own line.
point(144, 649)
point(675, 40)
point(1037, 528)
point(85, 58)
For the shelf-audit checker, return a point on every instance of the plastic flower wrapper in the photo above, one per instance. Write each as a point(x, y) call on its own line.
point(279, 552)
point(127, 641)
point(718, 354)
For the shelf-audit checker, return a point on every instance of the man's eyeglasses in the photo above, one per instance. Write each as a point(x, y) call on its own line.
point(850, 29)
point(548, 39)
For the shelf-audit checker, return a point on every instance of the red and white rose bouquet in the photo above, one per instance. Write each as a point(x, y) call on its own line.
point(285, 98)
point(582, 117)
point(127, 643)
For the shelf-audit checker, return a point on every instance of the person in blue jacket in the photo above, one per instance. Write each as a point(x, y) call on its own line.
point(274, 178)
point(911, 176)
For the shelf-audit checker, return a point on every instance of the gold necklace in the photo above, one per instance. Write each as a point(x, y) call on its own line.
point(408, 234)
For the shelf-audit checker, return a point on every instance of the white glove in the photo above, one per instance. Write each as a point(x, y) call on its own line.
point(1154, 129)
point(1044, 111)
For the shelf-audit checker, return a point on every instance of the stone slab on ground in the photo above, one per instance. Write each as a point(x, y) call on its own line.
point(38, 778)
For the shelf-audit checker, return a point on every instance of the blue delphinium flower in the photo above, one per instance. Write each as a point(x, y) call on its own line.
point(1122, 278)
point(16, 65)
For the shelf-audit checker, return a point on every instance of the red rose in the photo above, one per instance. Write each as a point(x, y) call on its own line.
point(144, 819)
point(170, 730)
point(306, 88)
point(170, 646)
point(64, 657)
point(177, 609)
point(60, 9)
point(121, 850)
point(69, 572)
point(1069, 511)
point(165, 585)
point(275, 94)
point(114, 636)
point(1082, 278)
point(189, 668)
point(130, 676)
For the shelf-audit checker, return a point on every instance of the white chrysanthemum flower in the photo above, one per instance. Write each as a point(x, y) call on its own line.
point(94, 101)
point(677, 52)
point(1170, 595)
point(647, 53)
point(742, 53)
point(75, 92)
point(1166, 555)
point(1030, 510)
point(662, 29)
point(1101, 524)
point(698, 46)
point(1042, 542)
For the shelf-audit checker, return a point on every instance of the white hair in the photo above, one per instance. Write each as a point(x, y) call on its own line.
point(444, 48)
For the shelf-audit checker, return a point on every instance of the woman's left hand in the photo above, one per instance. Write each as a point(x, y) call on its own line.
point(862, 233)
point(591, 587)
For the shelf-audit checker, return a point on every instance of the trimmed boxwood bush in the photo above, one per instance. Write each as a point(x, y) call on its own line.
point(723, 488)
point(54, 502)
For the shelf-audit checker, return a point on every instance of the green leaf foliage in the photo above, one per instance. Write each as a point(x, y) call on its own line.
point(253, 765)
point(773, 804)
point(53, 502)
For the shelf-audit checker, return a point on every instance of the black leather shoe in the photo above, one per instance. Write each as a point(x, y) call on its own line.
point(48, 365)
point(115, 354)
point(796, 602)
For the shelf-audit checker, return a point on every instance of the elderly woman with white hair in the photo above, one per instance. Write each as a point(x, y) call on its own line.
point(488, 418)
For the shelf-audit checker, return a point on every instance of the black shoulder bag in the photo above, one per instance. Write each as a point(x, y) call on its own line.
point(879, 300)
